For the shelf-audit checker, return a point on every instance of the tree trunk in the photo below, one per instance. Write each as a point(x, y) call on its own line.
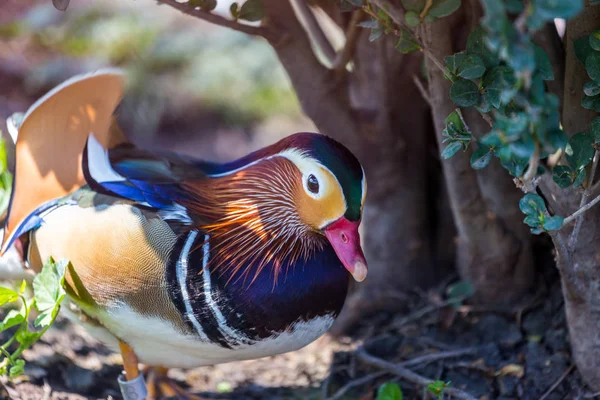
point(579, 264)
point(494, 250)
point(377, 111)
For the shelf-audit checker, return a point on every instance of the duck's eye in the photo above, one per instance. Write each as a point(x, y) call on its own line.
point(313, 184)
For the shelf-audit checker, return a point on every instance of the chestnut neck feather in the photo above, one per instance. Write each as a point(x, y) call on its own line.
point(252, 219)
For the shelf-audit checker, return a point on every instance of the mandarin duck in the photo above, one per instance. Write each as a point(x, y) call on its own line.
point(178, 262)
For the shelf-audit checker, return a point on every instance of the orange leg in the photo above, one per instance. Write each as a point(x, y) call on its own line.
point(133, 386)
point(160, 386)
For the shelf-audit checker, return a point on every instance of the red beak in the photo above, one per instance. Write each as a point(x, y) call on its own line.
point(343, 236)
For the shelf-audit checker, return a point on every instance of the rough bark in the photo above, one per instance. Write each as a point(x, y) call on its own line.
point(503, 271)
point(580, 265)
point(389, 133)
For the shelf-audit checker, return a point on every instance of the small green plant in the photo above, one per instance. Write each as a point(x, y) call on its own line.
point(437, 388)
point(389, 391)
point(49, 292)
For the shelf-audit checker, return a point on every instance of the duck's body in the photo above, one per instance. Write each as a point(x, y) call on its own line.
point(180, 262)
point(174, 305)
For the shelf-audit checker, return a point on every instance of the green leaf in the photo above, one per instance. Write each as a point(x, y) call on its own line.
point(579, 179)
point(205, 5)
point(12, 318)
point(376, 33)
point(471, 66)
point(454, 60)
point(495, 81)
point(591, 102)
point(17, 368)
point(579, 151)
point(444, 8)
point(460, 290)
point(514, 6)
point(414, 5)
point(234, 9)
point(553, 223)
point(595, 130)
point(389, 391)
point(495, 14)
point(481, 157)
point(595, 40)
point(406, 43)
point(532, 204)
point(252, 10)
point(412, 18)
point(476, 44)
point(582, 48)
point(437, 388)
point(532, 220)
point(49, 291)
point(464, 93)
point(543, 64)
point(550, 9)
point(563, 176)
point(451, 150)
point(591, 88)
point(592, 65)
point(7, 295)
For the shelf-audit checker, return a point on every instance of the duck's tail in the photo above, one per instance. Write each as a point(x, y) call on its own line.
point(50, 141)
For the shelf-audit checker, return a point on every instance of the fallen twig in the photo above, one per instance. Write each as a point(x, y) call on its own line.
point(442, 355)
point(356, 382)
point(407, 374)
point(558, 382)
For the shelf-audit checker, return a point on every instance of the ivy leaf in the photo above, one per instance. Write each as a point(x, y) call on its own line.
point(476, 44)
point(252, 10)
point(532, 220)
point(234, 9)
point(481, 157)
point(595, 130)
point(471, 67)
point(406, 43)
point(376, 33)
point(514, 6)
point(495, 15)
point(579, 179)
point(454, 60)
point(543, 64)
point(414, 5)
point(437, 388)
point(389, 391)
point(550, 9)
point(459, 291)
point(464, 93)
point(592, 65)
point(553, 223)
point(582, 48)
point(591, 88)
point(563, 176)
point(595, 40)
point(451, 149)
point(532, 204)
point(579, 151)
point(412, 18)
point(591, 102)
point(494, 82)
point(444, 8)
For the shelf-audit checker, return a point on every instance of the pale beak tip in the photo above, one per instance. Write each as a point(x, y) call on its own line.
point(360, 271)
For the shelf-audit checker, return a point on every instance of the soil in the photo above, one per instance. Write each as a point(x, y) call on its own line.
point(516, 353)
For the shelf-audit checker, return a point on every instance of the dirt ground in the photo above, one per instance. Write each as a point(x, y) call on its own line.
point(488, 353)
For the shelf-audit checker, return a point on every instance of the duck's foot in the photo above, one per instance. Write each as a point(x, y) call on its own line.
point(160, 386)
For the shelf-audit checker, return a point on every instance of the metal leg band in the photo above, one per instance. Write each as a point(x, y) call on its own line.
point(134, 389)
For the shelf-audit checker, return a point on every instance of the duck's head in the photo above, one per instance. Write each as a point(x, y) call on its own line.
point(304, 187)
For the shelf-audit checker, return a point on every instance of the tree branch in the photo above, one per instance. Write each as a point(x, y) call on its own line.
point(584, 199)
point(215, 19)
point(579, 212)
point(314, 29)
point(407, 375)
point(352, 34)
point(422, 90)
